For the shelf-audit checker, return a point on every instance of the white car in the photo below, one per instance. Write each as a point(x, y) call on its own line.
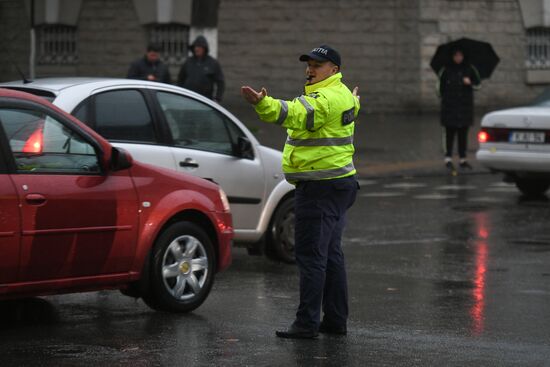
point(172, 127)
point(516, 142)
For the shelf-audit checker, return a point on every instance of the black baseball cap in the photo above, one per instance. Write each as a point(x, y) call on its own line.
point(323, 53)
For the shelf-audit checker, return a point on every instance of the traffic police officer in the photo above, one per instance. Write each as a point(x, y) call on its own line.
point(318, 159)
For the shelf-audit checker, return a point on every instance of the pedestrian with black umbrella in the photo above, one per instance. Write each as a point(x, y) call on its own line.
point(460, 67)
point(457, 82)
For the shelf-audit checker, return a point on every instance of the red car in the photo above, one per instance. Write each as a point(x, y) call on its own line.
point(77, 214)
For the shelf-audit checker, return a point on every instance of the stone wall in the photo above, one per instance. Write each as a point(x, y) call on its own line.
point(498, 22)
point(260, 41)
point(386, 45)
point(14, 39)
point(109, 38)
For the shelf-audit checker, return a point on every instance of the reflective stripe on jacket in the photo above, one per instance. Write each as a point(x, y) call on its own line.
point(320, 126)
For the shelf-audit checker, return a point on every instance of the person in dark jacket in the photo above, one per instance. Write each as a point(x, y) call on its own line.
point(202, 73)
point(150, 67)
point(457, 82)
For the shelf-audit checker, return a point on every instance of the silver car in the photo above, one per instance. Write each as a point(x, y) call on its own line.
point(172, 127)
point(516, 142)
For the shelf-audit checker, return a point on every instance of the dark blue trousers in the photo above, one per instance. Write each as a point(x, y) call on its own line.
point(320, 209)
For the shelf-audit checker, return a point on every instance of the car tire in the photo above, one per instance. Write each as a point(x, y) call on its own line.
point(280, 236)
point(532, 187)
point(181, 269)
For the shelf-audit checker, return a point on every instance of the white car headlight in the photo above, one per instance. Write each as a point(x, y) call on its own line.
point(225, 201)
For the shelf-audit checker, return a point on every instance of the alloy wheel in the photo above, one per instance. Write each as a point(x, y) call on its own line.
point(185, 267)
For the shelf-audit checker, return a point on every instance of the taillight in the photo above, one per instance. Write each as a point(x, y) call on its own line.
point(35, 142)
point(482, 136)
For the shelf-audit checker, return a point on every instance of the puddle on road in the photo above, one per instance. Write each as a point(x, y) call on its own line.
point(485, 199)
point(470, 208)
point(534, 244)
point(455, 284)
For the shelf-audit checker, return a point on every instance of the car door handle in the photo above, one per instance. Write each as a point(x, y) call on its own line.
point(189, 162)
point(35, 199)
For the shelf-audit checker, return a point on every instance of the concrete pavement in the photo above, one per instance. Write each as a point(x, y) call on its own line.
point(442, 272)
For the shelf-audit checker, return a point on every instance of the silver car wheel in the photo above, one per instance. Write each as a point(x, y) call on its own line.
point(286, 230)
point(184, 267)
point(281, 236)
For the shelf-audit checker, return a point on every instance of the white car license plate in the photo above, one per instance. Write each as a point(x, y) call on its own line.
point(527, 137)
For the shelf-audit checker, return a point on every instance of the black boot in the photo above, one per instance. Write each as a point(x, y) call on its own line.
point(296, 332)
point(327, 328)
point(465, 165)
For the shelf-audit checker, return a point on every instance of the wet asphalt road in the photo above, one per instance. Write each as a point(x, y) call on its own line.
point(443, 271)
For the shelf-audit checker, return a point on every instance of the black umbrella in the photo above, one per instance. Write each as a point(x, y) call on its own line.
point(477, 53)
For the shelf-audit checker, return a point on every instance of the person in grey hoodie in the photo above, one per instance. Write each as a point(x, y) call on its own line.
point(202, 73)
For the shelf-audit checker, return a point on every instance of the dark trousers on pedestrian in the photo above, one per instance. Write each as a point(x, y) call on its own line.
point(462, 136)
point(320, 209)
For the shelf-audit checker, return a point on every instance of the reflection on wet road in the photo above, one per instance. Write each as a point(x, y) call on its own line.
point(442, 271)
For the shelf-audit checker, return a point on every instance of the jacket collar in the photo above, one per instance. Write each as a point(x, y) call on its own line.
point(146, 60)
point(330, 81)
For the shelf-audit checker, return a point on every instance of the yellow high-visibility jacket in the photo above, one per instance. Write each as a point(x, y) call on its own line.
point(320, 126)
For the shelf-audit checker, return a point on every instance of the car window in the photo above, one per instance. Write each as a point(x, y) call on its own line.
point(543, 99)
point(40, 143)
point(123, 115)
point(196, 125)
point(234, 131)
point(81, 112)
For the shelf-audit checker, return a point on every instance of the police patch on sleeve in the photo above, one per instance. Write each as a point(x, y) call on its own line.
point(348, 116)
point(313, 95)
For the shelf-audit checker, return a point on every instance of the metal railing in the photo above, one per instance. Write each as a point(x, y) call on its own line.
point(173, 40)
point(57, 44)
point(538, 48)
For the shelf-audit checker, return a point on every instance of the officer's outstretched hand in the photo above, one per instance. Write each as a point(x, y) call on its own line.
point(355, 91)
point(251, 95)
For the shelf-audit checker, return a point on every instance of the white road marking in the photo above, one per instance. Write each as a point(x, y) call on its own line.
point(366, 182)
point(502, 184)
point(366, 242)
point(502, 189)
point(456, 187)
point(382, 194)
point(405, 185)
point(436, 196)
point(444, 192)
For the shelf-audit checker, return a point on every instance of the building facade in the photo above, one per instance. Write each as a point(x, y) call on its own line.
point(386, 45)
